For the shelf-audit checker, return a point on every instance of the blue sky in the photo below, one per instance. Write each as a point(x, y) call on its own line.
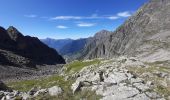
point(66, 18)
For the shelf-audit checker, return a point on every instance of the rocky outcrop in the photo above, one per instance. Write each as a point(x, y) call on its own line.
point(122, 79)
point(19, 50)
point(145, 35)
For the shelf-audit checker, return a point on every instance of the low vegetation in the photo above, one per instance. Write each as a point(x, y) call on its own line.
point(50, 81)
point(26, 85)
point(161, 84)
point(76, 66)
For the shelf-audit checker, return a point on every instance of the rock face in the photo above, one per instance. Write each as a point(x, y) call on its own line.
point(145, 34)
point(19, 50)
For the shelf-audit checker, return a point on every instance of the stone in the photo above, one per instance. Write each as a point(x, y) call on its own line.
point(136, 80)
point(149, 83)
point(161, 74)
point(42, 91)
point(86, 83)
point(101, 76)
point(140, 97)
point(10, 96)
point(153, 95)
point(141, 86)
point(1, 95)
point(25, 96)
point(55, 90)
point(121, 93)
point(116, 77)
point(76, 86)
point(33, 91)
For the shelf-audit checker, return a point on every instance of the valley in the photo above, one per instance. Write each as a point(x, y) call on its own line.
point(130, 63)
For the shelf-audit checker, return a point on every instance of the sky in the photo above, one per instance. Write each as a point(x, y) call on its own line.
point(61, 19)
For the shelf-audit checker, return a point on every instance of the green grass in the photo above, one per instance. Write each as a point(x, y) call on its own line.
point(50, 81)
point(163, 90)
point(78, 65)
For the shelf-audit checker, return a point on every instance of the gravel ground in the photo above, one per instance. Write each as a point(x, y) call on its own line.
point(10, 73)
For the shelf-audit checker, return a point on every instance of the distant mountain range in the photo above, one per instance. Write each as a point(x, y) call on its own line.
point(56, 43)
point(66, 47)
point(18, 50)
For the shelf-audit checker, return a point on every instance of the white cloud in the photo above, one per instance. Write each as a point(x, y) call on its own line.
point(66, 17)
point(124, 14)
point(86, 24)
point(62, 27)
point(113, 17)
point(94, 16)
point(31, 16)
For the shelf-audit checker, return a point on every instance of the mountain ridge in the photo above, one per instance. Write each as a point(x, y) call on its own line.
point(14, 44)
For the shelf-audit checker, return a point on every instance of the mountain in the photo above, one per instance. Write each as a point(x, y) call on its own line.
point(66, 47)
point(145, 35)
point(19, 50)
point(73, 47)
point(57, 44)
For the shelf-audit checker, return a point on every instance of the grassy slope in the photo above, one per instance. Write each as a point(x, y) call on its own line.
point(54, 80)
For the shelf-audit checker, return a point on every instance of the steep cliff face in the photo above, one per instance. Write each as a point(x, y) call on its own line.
point(19, 50)
point(146, 35)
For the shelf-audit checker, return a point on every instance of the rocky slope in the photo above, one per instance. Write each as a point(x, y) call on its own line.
point(20, 51)
point(120, 78)
point(145, 35)
point(125, 79)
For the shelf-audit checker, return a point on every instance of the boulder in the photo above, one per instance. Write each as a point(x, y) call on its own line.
point(55, 90)
point(33, 91)
point(42, 91)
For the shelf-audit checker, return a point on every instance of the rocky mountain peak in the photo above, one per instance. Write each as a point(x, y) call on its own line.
point(102, 33)
point(14, 33)
point(19, 50)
